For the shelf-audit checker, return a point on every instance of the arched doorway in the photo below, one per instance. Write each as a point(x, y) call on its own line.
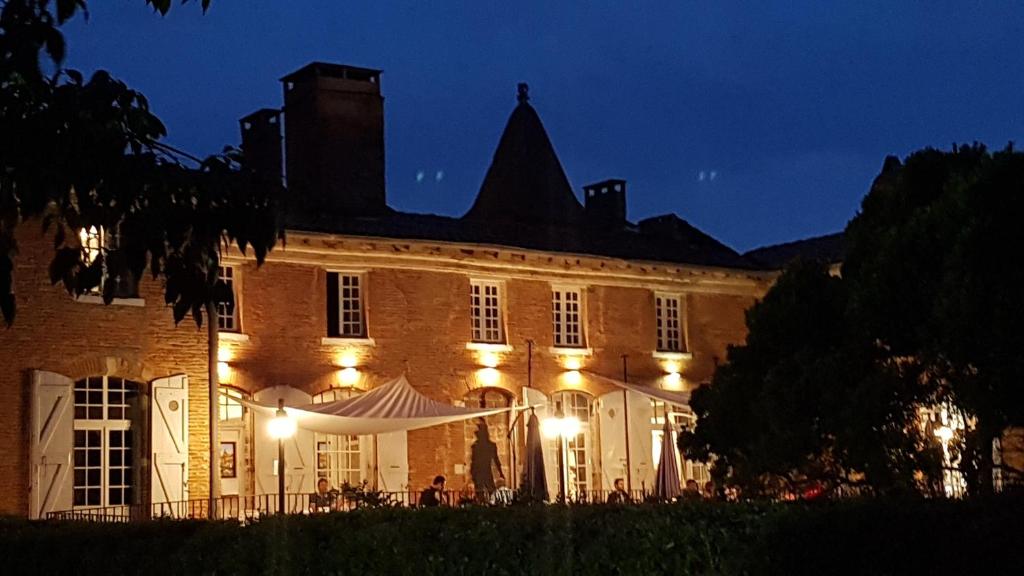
point(580, 474)
point(235, 433)
point(340, 458)
point(488, 446)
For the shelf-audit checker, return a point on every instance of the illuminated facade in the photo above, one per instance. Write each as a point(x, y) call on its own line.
point(522, 301)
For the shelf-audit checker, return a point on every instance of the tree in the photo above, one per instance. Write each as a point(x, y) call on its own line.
point(77, 154)
point(933, 264)
point(803, 403)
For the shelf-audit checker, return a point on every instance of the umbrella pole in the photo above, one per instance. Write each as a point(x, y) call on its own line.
point(625, 419)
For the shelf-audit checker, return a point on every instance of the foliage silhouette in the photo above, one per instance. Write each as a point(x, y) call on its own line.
point(79, 153)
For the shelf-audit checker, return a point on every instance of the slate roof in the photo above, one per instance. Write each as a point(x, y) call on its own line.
point(526, 182)
point(828, 248)
point(677, 242)
point(526, 201)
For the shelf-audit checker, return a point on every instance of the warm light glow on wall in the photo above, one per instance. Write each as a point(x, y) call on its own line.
point(489, 359)
point(488, 377)
point(225, 354)
point(348, 376)
point(348, 359)
point(572, 363)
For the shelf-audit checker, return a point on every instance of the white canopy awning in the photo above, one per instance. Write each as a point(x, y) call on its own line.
point(390, 407)
point(667, 396)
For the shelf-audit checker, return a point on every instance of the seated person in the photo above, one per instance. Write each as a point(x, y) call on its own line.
point(324, 499)
point(619, 494)
point(432, 495)
point(502, 495)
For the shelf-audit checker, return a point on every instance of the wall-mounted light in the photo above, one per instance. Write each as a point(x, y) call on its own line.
point(673, 381)
point(223, 371)
point(489, 359)
point(225, 354)
point(488, 377)
point(572, 377)
point(572, 362)
point(348, 359)
point(672, 366)
point(348, 376)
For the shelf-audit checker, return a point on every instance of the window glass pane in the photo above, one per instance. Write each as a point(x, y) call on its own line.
point(350, 306)
point(227, 312)
point(338, 457)
point(485, 312)
point(102, 450)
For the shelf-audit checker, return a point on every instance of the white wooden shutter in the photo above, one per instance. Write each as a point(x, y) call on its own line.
point(641, 454)
point(539, 401)
point(299, 452)
point(393, 460)
point(612, 422)
point(52, 422)
point(169, 439)
point(367, 460)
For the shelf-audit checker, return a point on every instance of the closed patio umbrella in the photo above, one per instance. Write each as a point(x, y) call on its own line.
point(535, 481)
point(666, 482)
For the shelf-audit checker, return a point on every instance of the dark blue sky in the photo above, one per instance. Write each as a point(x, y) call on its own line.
point(758, 124)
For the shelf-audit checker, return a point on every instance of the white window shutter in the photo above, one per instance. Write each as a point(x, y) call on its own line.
point(367, 460)
point(393, 461)
point(169, 439)
point(641, 454)
point(299, 452)
point(539, 401)
point(612, 422)
point(51, 444)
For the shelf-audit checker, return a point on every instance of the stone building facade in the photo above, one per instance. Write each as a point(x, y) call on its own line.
point(531, 298)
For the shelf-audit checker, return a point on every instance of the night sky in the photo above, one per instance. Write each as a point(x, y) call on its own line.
point(757, 124)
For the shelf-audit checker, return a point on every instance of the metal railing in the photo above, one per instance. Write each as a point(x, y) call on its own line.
point(249, 508)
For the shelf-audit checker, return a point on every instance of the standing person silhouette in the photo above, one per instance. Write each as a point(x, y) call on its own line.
point(484, 452)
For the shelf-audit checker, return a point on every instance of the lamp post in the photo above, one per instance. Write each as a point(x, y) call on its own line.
point(562, 427)
point(281, 427)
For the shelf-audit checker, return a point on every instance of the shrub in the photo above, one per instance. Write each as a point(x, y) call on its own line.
point(863, 537)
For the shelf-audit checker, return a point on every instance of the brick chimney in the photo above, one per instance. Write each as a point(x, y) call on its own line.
point(605, 203)
point(334, 142)
point(261, 143)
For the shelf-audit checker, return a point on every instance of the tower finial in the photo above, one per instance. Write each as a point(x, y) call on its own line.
point(524, 92)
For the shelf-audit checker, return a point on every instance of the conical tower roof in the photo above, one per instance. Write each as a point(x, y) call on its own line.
point(525, 182)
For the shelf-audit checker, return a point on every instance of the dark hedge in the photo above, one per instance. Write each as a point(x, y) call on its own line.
point(852, 537)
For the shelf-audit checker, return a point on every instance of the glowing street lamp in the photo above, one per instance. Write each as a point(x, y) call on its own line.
point(562, 427)
point(281, 427)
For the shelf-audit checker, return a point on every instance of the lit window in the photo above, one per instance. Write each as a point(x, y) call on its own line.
point(97, 240)
point(485, 310)
point(566, 317)
point(578, 449)
point(338, 456)
point(229, 405)
point(227, 310)
point(103, 464)
point(345, 305)
point(667, 318)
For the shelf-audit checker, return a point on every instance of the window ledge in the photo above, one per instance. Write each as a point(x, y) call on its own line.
point(94, 299)
point(232, 336)
point(334, 341)
point(672, 355)
point(568, 351)
point(488, 347)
